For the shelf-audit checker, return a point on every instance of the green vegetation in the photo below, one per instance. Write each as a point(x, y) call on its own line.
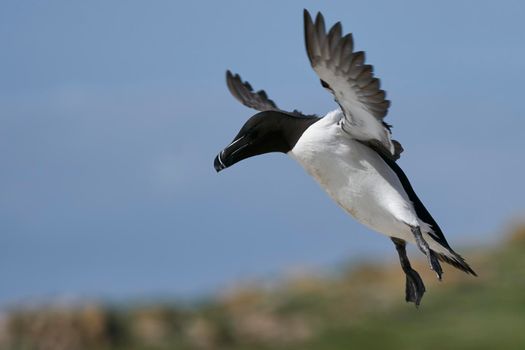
point(362, 308)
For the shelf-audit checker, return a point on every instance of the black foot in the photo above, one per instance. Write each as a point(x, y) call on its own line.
point(414, 287)
point(431, 255)
point(435, 265)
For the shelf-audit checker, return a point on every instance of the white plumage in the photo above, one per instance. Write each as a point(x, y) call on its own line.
point(358, 179)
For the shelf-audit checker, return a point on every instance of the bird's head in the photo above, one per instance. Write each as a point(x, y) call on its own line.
point(264, 132)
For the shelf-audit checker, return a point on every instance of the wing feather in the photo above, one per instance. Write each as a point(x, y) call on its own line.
point(243, 92)
point(350, 80)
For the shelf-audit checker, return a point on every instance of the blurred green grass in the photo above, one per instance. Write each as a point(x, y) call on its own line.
point(363, 308)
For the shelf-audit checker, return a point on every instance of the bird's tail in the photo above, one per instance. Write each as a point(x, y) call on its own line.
point(439, 245)
point(456, 260)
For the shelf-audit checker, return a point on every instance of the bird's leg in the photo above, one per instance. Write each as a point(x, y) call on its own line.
point(414, 288)
point(431, 255)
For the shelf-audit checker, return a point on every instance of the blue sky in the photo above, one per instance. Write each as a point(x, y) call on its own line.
point(111, 114)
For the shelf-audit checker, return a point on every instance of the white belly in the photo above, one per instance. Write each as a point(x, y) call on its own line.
point(356, 178)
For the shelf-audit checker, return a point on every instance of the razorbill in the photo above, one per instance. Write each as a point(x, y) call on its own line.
point(349, 151)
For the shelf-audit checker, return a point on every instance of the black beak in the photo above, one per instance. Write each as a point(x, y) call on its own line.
point(218, 164)
point(233, 153)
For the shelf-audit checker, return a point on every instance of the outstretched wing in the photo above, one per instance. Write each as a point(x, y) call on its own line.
point(243, 92)
point(351, 81)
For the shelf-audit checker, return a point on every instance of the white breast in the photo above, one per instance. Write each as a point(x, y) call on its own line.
point(356, 178)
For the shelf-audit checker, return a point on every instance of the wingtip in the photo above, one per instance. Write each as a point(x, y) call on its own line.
point(306, 13)
point(229, 79)
point(337, 27)
point(319, 17)
point(307, 20)
point(320, 25)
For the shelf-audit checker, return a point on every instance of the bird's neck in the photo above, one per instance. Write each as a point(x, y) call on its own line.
point(293, 127)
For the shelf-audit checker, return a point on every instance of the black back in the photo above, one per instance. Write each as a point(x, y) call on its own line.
point(422, 212)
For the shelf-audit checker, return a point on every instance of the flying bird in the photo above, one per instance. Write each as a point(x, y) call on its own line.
point(349, 151)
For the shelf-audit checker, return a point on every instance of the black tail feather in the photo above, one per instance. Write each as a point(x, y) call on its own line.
point(457, 261)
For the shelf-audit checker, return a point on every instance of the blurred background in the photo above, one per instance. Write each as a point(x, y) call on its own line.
point(116, 232)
